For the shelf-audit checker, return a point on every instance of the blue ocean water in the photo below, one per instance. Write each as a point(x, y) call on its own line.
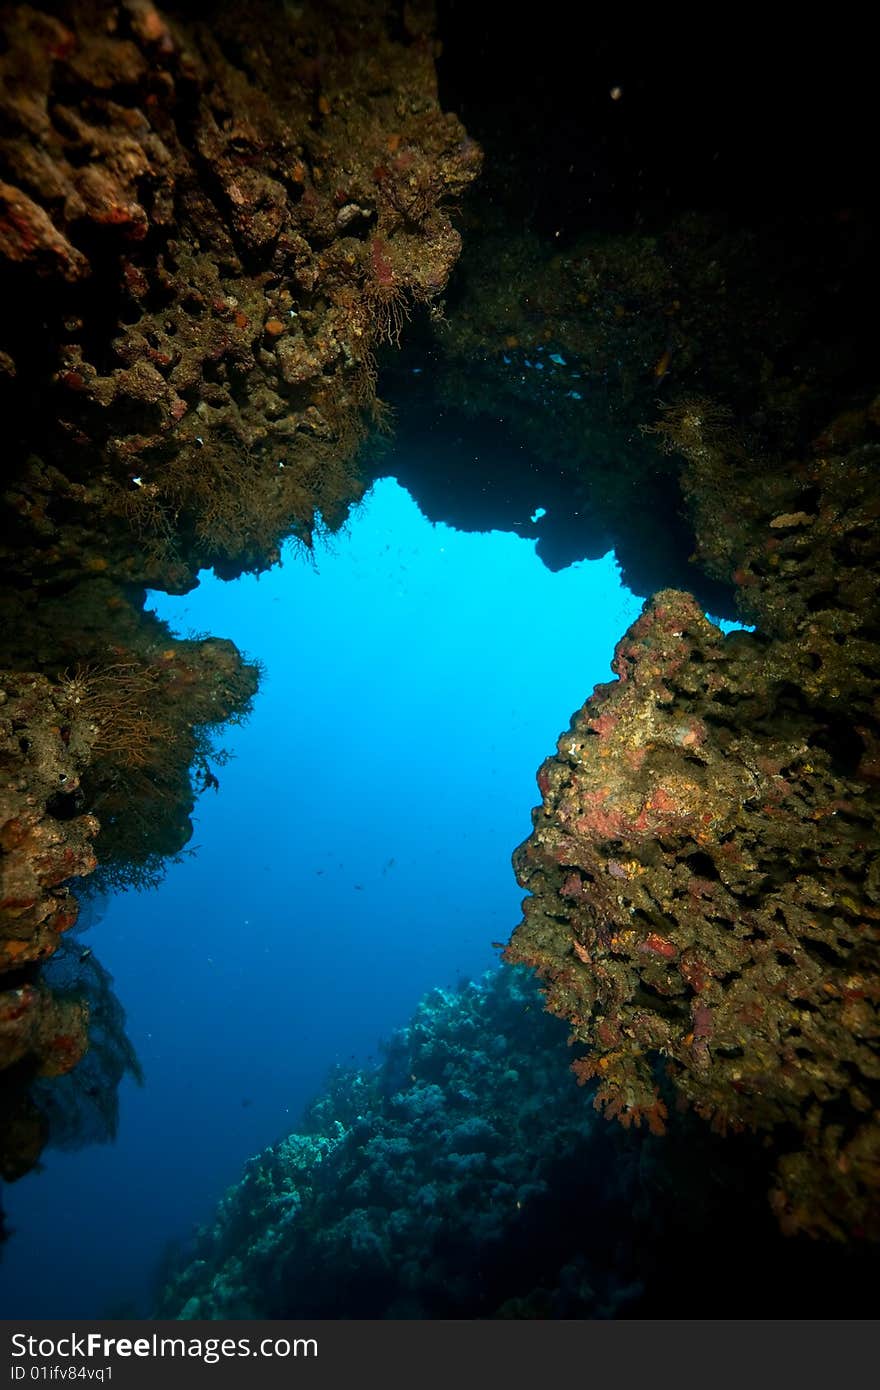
point(357, 854)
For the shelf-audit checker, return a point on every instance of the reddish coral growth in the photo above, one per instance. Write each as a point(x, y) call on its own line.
point(380, 265)
point(724, 920)
point(654, 945)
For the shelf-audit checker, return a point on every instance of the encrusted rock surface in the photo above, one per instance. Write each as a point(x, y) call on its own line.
point(42, 1036)
point(210, 219)
point(44, 750)
point(209, 224)
point(206, 226)
point(553, 358)
point(99, 771)
point(703, 869)
point(464, 1176)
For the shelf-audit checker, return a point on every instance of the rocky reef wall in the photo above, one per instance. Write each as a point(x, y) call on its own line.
point(704, 907)
point(207, 225)
point(212, 220)
point(465, 1177)
point(211, 217)
point(665, 312)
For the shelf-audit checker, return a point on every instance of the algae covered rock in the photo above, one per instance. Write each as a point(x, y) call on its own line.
point(207, 223)
point(702, 871)
point(210, 219)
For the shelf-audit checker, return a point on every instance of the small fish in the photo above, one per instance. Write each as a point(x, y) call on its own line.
point(663, 365)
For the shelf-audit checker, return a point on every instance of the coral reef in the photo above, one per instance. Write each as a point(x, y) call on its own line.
point(683, 369)
point(42, 1037)
point(702, 867)
point(62, 1088)
point(206, 226)
point(101, 764)
point(465, 1177)
point(398, 1195)
point(210, 219)
point(41, 851)
point(550, 361)
point(664, 241)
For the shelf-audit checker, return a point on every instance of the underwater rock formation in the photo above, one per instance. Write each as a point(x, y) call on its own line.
point(552, 360)
point(41, 1037)
point(203, 236)
point(208, 222)
point(703, 868)
point(62, 1088)
point(664, 238)
point(206, 226)
point(101, 766)
point(465, 1177)
point(406, 1181)
point(41, 852)
point(664, 367)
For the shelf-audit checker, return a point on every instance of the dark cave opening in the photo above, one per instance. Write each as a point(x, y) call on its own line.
point(657, 337)
point(610, 134)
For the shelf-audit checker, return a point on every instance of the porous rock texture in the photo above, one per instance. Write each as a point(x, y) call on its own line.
point(206, 225)
point(705, 905)
point(464, 1176)
point(552, 359)
point(210, 216)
